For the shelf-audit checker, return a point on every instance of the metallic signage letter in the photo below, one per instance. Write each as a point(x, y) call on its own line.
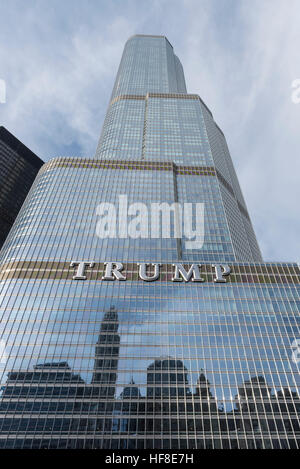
point(194, 271)
point(113, 270)
point(143, 273)
point(221, 270)
point(80, 269)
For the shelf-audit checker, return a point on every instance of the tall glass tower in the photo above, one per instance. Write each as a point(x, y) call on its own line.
point(123, 335)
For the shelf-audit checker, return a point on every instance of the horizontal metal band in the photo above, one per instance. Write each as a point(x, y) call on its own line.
point(141, 165)
point(263, 273)
point(142, 97)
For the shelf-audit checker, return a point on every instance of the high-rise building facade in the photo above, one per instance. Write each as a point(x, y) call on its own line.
point(18, 169)
point(138, 340)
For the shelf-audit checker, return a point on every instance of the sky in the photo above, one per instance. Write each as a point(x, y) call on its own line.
point(59, 61)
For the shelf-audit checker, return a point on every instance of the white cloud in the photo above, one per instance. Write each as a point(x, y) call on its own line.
point(59, 83)
point(244, 73)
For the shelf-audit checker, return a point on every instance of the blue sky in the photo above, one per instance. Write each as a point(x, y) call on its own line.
point(59, 60)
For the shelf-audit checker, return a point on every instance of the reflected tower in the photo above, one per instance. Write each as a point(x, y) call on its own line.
point(107, 354)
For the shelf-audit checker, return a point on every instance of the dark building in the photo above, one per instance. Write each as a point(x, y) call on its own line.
point(18, 169)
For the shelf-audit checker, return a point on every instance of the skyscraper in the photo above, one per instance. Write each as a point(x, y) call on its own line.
point(137, 338)
point(18, 169)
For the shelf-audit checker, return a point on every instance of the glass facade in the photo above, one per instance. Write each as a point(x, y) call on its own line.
point(128, 364)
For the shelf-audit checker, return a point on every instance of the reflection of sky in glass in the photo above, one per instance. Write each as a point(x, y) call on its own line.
point(216, 330)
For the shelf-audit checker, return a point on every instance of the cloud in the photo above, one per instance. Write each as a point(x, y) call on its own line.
point(59, 75)
point(242, 60)
point(59, 61)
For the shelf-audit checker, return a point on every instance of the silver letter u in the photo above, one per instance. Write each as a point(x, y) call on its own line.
point(143, 272)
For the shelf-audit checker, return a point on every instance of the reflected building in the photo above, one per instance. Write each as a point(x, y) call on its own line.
point(131, 412)
point(262, 412)
point(167, 379)
point(203, 364)
point(207, 416)
point(107, 354)
point(43, 399)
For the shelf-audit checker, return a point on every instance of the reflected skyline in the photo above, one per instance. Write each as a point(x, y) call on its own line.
point(169, 406)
